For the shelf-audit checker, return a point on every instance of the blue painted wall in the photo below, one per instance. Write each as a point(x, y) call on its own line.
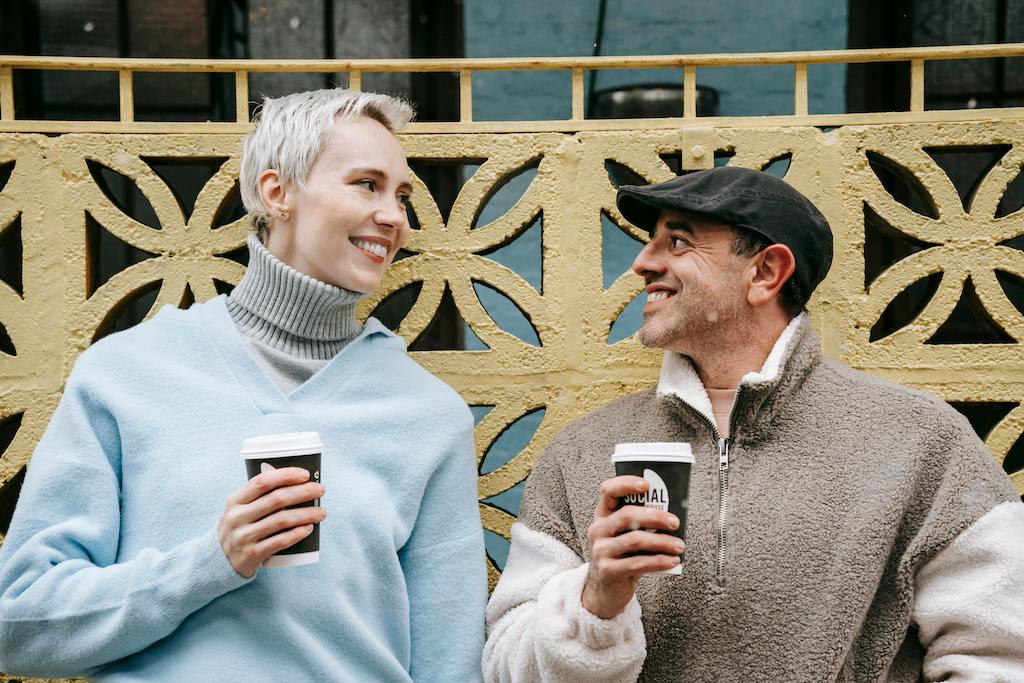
point(535, 28)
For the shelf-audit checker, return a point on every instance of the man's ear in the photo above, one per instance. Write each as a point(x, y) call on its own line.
point(773, 265)
point(273, 192)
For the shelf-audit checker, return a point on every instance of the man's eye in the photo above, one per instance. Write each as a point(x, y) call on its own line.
point(677, 242)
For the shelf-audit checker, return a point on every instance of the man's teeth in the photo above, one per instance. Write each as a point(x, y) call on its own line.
point(659, 295)
point(372, 247)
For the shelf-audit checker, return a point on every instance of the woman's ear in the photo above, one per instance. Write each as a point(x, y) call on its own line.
point(773, 265)
point(273, 193)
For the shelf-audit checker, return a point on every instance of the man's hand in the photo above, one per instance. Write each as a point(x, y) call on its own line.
point(617, 533)
point(255, 523)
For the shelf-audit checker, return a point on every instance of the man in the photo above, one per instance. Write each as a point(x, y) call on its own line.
point(839, 527)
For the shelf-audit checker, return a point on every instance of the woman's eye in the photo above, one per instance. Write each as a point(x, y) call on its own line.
point(368, 184)
point(403, 199)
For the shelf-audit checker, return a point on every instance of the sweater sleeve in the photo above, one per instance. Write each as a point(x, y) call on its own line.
point(67, 607)
point(969, 607)
point(445, 571)
point(538, 629)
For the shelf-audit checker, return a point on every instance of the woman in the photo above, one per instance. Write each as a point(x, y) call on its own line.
point(124, 562)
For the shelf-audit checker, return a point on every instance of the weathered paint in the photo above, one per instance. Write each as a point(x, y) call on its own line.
point(574, 369)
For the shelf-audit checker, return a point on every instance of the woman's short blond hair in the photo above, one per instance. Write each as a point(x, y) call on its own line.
point(291, 132)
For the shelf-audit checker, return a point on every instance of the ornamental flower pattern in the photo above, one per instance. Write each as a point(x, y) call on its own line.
point(968, 243)
point(532, 386)
point(453, 255)
point(187, 251)
point(961, 239)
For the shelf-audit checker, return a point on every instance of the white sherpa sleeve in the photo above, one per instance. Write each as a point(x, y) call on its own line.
point(969, 605)
point(538, 630)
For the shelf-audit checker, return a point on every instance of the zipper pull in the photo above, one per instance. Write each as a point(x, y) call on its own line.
point(723, 454)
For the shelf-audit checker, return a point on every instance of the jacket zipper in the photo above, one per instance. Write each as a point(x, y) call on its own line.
point(723, 498)
point(723, 489)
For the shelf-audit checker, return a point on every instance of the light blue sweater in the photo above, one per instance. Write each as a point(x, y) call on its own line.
point(112, 568)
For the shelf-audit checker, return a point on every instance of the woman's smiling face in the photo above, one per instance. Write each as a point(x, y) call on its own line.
point(346, 224)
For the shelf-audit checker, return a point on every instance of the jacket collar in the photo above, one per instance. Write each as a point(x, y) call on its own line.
point(760, 394)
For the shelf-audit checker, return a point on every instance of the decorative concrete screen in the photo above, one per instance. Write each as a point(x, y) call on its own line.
point(964, 250)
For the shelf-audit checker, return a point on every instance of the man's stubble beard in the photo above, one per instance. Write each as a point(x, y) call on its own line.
point(700, 320)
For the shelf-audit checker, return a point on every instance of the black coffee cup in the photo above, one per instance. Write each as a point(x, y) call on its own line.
point(666, 467)
point(294, 449)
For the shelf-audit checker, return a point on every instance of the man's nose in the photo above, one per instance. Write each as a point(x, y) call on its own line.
point(648, 261)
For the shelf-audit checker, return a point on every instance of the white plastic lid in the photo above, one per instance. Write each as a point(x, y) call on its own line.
point(281, 445)
point(664, 451)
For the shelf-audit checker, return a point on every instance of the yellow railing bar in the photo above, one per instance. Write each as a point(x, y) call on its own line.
point(577, 95)
point(917, 85)
point(6, 94)
point(904, 54)
point(689, 92)
point(550, 125)
point(126, 68)
point(800, 90)
point(465, 96)
point(126, 95)
point(242, 97)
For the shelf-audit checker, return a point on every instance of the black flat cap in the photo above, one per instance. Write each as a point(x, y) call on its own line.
point(742, 198)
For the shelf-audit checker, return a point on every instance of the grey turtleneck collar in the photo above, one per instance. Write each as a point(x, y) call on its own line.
point(300, 316)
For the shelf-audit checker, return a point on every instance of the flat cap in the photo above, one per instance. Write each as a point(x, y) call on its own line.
point(742, 198)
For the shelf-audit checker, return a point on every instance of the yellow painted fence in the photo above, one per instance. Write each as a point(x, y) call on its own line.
point(57, 309)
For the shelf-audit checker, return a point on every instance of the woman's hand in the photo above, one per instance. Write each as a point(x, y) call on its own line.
point(256, 523)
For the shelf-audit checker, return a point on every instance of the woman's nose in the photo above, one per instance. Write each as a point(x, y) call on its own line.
point(393, 214)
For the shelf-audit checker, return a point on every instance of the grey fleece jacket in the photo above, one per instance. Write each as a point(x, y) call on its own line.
point(868, 536)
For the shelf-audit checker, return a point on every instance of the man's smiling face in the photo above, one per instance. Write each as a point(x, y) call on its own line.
point(696, 288)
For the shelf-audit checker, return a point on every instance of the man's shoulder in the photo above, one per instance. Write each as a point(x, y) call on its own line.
point(879, 398)
point(619, 411)
point(612, 423)
point(860, 384)
point(569, 473)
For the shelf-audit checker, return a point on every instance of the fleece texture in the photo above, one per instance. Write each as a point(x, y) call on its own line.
point(970, 602)
point(540, 629)
point(112, 568)
point(842, 488)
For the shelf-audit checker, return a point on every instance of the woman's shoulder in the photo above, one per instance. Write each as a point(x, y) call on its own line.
point(403, 370)
point(165, 336)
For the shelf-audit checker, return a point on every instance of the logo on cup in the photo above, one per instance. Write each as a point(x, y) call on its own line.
point(656, 496)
